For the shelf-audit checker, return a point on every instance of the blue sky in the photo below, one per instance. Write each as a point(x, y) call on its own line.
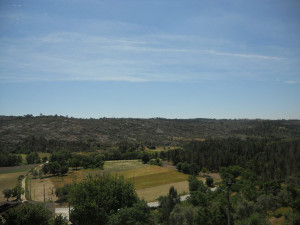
point(150, 58)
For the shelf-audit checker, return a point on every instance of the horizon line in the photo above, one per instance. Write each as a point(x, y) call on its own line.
point(145, 118)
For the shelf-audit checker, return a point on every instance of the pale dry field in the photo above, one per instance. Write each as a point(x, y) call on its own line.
point(36, 189)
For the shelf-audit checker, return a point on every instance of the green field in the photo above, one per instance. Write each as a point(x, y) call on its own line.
point(117, 166)
point(16, 169)
point(9, 177)
point(161, 148)
point(43, 154)
point(151, 176)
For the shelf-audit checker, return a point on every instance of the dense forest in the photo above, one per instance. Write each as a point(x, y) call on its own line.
point(47, 133)
point(267, 158)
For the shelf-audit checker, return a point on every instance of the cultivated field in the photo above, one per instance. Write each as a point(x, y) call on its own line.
point(9, 177)
point(150, 181)
point(152, 193)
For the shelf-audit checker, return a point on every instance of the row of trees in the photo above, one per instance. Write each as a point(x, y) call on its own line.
point(87, 161)
point(61, 161)
point(15, 192)
point(10, 159)
point(7, 159)
point(33, 158)
point(55, 168)
point(187, 168)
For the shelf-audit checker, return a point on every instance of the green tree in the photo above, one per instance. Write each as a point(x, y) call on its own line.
point(62, 192)
point(32, 158)
point(185, 168)
point(254, 219)
point(139, 214)
point(182, 215)
point(54, 167)
point(167, 204)
point(145, 158)
point(27, 214)
point(64, 169)
point(97, 198)
point(98, 160)
point(60, 220)
point(194, 169)
point(209, 181)
point(195, 184)
point(179, 166)
point(46, 168)
point(17, 191)
point(7, 193)
point(44, 159)
point(75, 162)
point(35, 173)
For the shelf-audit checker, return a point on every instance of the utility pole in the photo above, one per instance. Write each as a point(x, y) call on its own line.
point(30, 191)
point(70, 211)
point(229, 183)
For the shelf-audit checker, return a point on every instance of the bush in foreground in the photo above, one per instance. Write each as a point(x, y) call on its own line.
point(100, 198)
point(27, 214)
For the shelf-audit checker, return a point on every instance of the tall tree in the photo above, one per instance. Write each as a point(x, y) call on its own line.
point(27, 214)
point(97, 198)
point(7, 193)
point(167, 204)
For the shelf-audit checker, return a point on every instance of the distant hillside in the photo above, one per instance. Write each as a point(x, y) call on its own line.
point(160, 131)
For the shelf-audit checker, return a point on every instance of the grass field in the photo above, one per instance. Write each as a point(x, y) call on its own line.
point(9, 177)
point(16, 169)
point(43, 154)
point(152, 193)
point(151, 176)
point(161, 148)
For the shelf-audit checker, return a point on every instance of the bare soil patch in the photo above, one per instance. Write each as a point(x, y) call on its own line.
point(37, 187)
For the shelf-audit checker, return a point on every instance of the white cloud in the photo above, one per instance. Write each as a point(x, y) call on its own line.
point(249, 56)
point(292, 81)
point(77, 56)
point(16, 5)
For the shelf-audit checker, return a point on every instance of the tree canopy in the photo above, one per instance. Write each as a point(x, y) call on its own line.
point(97, 198)
point(27, 214)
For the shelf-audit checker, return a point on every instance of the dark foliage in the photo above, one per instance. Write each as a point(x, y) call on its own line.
point(97, 198)
point(266, 158)
point(10, 159)
point(27, 214)
point(33, 158)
